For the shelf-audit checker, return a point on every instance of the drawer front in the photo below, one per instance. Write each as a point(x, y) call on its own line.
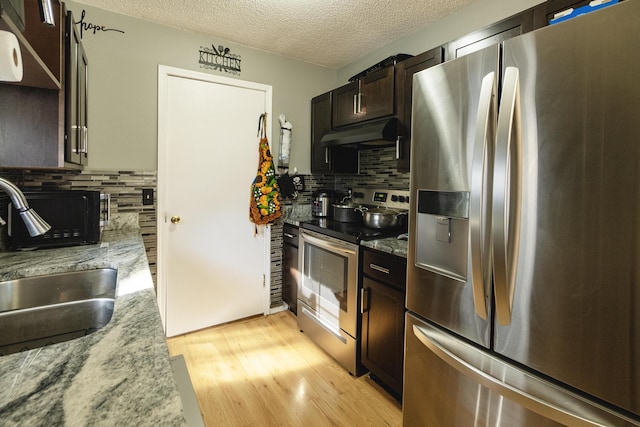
point(386, 268)
point(290, 235)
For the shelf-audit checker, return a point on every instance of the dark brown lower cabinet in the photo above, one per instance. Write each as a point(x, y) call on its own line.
point(383, 295)
point(290, 267)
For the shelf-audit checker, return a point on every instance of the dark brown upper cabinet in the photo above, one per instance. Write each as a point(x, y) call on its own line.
point(49, 107)
point(33, 109)
point(528, 20)
point(404, 86)
point(324, 159)
point(320, 124)
point(76, 136)
point(41, 45)
point(513, 26)
point(370, 97)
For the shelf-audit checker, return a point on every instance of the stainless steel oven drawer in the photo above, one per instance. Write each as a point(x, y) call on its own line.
point(337, 343)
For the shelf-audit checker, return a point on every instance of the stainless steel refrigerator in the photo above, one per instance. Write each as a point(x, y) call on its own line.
point(523, 286)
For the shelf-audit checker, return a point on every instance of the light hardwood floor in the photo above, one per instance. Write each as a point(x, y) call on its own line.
point(263, 371)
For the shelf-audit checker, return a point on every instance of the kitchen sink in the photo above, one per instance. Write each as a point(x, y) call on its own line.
point(42, 310)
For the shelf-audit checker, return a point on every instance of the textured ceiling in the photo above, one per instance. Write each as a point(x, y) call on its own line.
point(332, 33)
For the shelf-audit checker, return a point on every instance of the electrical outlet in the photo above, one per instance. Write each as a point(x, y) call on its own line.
point(147, 196)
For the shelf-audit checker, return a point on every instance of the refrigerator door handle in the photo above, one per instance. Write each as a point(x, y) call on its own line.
point(506, 196)
point(529, 391)
point(479, 208)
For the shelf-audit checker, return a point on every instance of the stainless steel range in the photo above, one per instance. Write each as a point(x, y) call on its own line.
point(328, 303)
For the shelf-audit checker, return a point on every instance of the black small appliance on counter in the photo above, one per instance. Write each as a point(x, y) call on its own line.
point(75, 216)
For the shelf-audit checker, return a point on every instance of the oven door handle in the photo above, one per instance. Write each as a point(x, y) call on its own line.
point(325, 244)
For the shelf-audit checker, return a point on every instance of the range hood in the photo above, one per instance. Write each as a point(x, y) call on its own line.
point(371, 134)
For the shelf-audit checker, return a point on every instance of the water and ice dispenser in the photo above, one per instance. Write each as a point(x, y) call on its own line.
point(442, 232)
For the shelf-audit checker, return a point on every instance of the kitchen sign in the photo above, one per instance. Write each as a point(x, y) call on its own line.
point(219, 59)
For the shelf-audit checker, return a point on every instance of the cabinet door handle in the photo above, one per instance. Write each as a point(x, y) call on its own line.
point(85, 139)
point(46, 13)
point(378, 268)
point(289, 235)
point(363, 299)
point(76, 132)
point(357, 103)
point(398, 147)
point(326, 155)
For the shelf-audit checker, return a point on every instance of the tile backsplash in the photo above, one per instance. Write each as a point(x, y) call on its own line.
point(377, 170)
point(125, 188)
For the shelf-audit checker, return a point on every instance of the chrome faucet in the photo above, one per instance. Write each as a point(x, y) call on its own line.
point(35, 225)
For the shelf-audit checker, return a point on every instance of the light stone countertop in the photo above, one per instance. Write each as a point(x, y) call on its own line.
point(118, 375)
point(296, 213)
point(391, 245)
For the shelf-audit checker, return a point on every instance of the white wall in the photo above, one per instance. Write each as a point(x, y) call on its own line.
point(123, 72)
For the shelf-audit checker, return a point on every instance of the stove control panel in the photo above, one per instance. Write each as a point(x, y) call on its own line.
point(396, 199)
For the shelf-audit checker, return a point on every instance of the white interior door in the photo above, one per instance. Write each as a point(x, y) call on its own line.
point(211, 267)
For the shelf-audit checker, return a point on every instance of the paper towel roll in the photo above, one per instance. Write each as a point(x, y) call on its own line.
point(10, 58)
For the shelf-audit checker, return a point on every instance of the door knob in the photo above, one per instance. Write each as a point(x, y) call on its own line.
point(175, 219)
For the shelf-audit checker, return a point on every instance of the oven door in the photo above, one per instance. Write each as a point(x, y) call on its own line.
point(329, 281)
